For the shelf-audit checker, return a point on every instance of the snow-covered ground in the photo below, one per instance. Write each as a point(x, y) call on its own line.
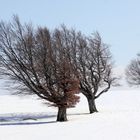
point(27, 118)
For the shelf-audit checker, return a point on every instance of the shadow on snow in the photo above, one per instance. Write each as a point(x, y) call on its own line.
point(29, 118)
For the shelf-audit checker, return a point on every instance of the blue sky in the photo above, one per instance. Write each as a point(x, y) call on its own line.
point(118, 21)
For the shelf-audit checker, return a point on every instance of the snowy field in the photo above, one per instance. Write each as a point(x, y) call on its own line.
point(28, 118)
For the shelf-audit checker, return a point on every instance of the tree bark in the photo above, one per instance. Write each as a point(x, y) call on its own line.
point(62, 115)
point(92, 105)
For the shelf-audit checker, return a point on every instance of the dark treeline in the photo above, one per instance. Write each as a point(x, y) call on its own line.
point(56, 64)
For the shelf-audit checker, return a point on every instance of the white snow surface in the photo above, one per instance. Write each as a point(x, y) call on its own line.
point(27, 118)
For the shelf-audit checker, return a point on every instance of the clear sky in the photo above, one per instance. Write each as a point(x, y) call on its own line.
point(118, 21)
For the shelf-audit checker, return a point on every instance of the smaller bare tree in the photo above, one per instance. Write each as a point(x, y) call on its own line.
point(133, 72)
point(95, 68)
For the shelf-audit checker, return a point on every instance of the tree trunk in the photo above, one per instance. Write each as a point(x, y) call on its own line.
point(62, 115)
point(92, 105)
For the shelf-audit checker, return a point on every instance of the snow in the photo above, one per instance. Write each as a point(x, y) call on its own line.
point(27, 118)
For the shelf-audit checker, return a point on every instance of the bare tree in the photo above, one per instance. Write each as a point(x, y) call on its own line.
point(133, 72)
point(38, 63)
point(95, 67)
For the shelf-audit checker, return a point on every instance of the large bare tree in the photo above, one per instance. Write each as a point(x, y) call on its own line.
point(36, 60)
point(133, 72)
